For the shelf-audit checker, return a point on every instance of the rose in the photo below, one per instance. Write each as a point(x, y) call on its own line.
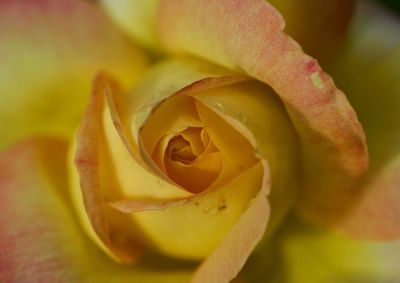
point(23, 160)
point(193, 240)
point(210, 191)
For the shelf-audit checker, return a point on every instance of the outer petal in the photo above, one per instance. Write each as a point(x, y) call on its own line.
point(41, 240)
point(368, 69)
point(302, 253)
point(137, 18)
point(49, 54)
point(247, 35)
point(92, 180)
point(318, 26)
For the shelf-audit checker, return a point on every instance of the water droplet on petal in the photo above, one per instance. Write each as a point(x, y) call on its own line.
point(220, 206)
point(160, 182)
point(219, 106)
point(211, 210)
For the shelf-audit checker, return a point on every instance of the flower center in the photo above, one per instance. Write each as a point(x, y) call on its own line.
point(180, 150)
point(195, 147)
point(191, 159)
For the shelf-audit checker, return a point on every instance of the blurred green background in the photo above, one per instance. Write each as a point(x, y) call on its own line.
point(392, 4)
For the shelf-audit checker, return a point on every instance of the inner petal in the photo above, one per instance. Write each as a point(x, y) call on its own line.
point(167, 120)
point(193, 136)
point(179, 149)
point(236, 149)
point(197, 176)
point(187, 160)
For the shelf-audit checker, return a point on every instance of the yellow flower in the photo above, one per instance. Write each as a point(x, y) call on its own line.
point(182, 166)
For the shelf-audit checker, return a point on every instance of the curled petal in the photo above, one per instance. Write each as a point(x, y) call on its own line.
point(88, 185)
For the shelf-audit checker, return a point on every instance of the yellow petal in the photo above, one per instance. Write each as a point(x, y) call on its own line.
point(236, 150)
point(199, 176)
point(167, 120)
point(195, 229)
point(49, 53)
point(137, 18)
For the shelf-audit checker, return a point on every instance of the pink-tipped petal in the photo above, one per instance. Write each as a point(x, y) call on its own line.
point(93, 177)
point(31, 211)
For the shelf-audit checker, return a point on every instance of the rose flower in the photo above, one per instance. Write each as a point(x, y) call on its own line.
point(219, 151)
